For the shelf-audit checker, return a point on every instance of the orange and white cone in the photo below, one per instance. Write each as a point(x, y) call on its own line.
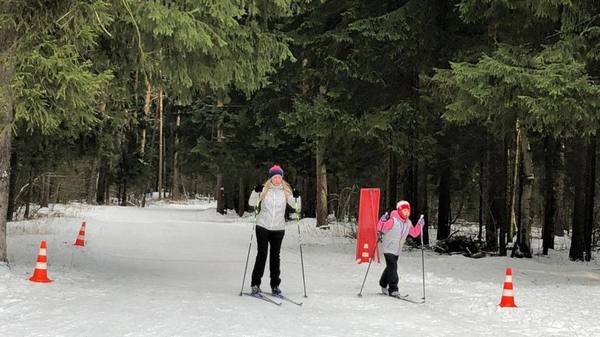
point(40, 272)
point(508, 296)
point(81, 238)
point(365, 256)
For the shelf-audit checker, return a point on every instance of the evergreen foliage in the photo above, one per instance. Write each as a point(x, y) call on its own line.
point(454, 105)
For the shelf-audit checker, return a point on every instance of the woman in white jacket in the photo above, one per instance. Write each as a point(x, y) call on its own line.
point(271, 198)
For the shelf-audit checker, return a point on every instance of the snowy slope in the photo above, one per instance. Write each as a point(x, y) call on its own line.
point(176, 270)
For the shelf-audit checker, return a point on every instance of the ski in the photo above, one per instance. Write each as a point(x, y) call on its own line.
point(401, 295)
point(408, 299)
point(404, 297)
point(263, 297)
point(284, 298)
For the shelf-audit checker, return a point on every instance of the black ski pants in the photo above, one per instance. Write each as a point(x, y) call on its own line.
point(389, 278)
point(264, 238)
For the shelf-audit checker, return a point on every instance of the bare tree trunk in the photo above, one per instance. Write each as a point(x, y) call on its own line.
point(495, 195)
point(118, 193)
point(147, 103)
point(45, 193)
point(492, 211)
point(28, 194)
point(513, 202)
point(242, 197)
point(176, 183)
point(561, 218)
point(321, 186)
point(392, 181)
point(497, 181)
point(230, 196)
point(124, 193)
point(195, 192)
point(5, 149)
point(482, 194)
point(57, 194)
point(578, 161)
point(220, 190)
point(527, 202)
point(160, 142)
point(101, 190)
point(443, 218)
point(425, 209)
point(411, 187)
point(107, 183)
point(220, 194)
point(92, 182)
point(166, 187)
point(6, 119)
point(144, 197)
point(505, 206)
point(549, 199)
point(309, 198)
point(12, 191)
point(590, 190)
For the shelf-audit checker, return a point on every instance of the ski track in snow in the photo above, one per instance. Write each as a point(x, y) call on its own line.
point(176, 270)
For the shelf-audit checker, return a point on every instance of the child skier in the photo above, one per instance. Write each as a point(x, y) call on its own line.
point(393, 230)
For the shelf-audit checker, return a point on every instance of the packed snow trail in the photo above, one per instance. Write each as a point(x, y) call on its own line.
point(176, 271)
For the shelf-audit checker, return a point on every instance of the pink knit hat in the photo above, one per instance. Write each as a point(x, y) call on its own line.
point(275, 170)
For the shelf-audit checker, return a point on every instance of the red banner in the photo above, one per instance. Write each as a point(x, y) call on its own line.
point(368, 215)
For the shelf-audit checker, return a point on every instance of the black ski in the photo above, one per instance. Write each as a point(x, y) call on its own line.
point(263, 297)
point(284, 298)
point(408, 299)
point(404, 298)
point(399, 296)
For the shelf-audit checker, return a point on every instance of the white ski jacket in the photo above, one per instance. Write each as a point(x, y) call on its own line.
point(272, 208)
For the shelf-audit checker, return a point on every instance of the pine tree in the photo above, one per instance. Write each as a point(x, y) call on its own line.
point(47, 41)
point(544, 88)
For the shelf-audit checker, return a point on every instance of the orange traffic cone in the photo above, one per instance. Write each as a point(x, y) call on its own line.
point(39, 274)
point(508, 299)
point(365, 256)
point(80, 239)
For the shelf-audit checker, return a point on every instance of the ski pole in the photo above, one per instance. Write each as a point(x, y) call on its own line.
point(422, 256)
point(300, 244)
point(369, 267)
point(249, 247)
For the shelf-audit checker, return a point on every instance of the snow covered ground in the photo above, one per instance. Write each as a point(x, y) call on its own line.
point(176, 270)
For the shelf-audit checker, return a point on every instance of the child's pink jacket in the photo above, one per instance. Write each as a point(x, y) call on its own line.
point(384, 227)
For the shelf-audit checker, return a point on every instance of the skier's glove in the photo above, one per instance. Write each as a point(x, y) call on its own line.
point(258, 188)
point(385, 217)
point(421, 222)
point(379, 236)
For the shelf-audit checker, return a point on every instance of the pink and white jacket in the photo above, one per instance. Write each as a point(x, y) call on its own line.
point(395, 231)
